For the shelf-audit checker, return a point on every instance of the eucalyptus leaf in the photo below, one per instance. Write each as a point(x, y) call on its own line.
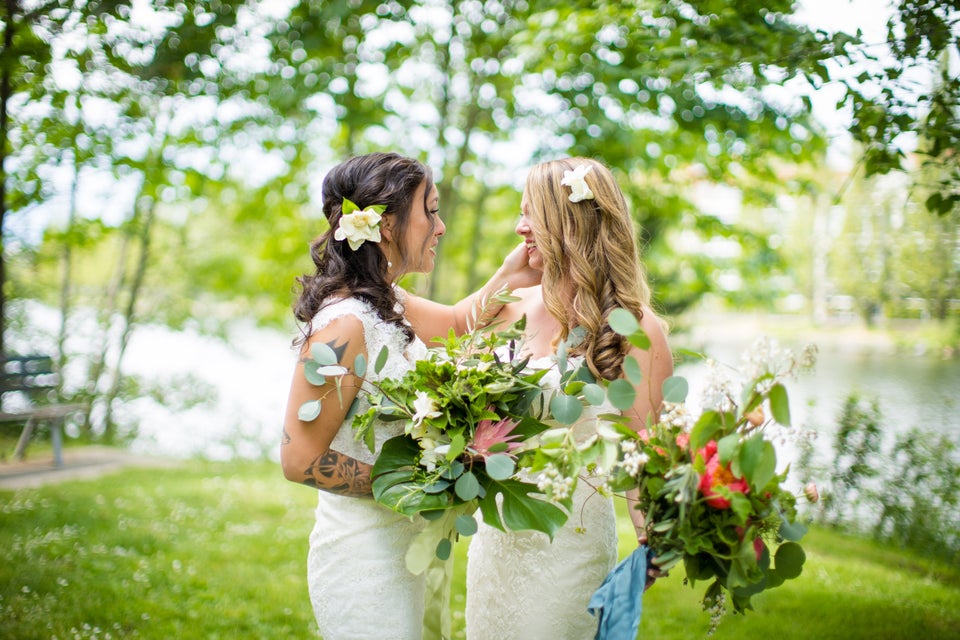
point(323, 354)
point(631, 369)
point(381, 359)
point(792, 531)
point(466, 525)
point(623, 322)
point(309, 410)
point(789, 560)
point(360, 365)
point(594, 394)
point(467, 486)
point(500, 466)
point(444, 547)
point(311, 373)
point(621, 394)
point(565, 409)
point(675, 389)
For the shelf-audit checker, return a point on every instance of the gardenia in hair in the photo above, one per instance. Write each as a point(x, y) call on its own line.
point(357, 226)
point(578, 185)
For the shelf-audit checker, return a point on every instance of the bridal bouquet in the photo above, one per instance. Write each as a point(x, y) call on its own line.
point(709, 484)
point(473, 414)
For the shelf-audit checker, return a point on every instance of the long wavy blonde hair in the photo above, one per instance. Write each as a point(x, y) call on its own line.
point(590, 254)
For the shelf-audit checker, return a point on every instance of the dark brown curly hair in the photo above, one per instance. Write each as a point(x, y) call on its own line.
point(374, 179)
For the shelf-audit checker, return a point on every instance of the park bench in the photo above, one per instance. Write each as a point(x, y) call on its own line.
point(28, 389)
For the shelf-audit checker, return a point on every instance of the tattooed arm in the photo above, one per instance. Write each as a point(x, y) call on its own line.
point(305, 452)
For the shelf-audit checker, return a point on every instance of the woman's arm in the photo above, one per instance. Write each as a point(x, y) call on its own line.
point(432, 319)
point(656, 365)
point(305, 453)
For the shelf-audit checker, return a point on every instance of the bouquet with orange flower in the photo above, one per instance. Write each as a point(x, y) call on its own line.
point(709, 485)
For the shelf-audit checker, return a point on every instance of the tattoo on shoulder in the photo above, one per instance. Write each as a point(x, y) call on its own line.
point(338, 350)
point(338, 474)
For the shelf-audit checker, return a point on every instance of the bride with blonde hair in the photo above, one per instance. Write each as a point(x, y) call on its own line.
point(578, 233)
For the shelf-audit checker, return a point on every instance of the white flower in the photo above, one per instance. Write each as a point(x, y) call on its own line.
point(578, 185)
point(424, 407)
point(357, 226)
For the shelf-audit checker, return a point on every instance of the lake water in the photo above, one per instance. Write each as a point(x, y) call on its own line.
point(251, 373)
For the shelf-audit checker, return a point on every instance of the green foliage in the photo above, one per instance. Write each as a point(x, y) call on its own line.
point(906, 494)
point(164, 553)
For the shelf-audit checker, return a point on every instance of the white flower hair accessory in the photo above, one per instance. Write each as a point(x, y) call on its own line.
point(359, 225)
point(578, 185)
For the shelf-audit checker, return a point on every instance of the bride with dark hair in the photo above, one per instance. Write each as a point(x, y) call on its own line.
point(384, 220)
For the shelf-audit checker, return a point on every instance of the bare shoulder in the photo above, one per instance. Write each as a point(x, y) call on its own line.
point(344, 335)
point(530, 300)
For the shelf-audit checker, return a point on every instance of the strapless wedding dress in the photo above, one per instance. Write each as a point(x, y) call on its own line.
point(522, 586)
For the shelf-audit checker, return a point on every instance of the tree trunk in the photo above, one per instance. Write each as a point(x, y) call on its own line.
point(66, 264)
point(4, 124)
point(129, 315)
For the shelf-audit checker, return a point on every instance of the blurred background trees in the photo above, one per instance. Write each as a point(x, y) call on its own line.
point(161, 161)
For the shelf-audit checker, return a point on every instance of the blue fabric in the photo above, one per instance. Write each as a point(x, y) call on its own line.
point(618, 601)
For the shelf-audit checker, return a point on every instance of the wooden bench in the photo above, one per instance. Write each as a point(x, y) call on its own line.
point(34, 379)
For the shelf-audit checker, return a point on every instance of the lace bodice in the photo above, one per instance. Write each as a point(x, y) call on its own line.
point(377, 334)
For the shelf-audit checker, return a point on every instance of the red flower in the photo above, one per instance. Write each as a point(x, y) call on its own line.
point(718, 475)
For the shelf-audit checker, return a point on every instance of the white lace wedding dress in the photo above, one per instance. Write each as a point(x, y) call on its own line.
point(520, 586)
point(360, 587)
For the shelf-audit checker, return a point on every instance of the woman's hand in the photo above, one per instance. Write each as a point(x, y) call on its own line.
point(653, 571)
point(516, 270)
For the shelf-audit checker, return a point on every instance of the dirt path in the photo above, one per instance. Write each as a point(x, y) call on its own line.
point(78, 464)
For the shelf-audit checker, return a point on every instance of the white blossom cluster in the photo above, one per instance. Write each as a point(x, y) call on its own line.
point(632, 459)
point(676, 414)
point(719, 388)
point(554, 484)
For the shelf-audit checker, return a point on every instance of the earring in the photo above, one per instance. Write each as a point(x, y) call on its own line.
point(389, 265)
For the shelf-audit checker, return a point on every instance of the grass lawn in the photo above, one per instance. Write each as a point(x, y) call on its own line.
point(218, 550)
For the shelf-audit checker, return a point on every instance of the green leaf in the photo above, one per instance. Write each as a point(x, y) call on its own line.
point(309, 410)
point(457, 445)
point(381, 359)
point(520, 510)
point(565, 409)
point(444, 547)
point(727, 447)
point(631, 369)
point(675, 389)
point(621, 394)
point(323, 355)
point(348, 206)
point(312, 374)
point(467, 487)
point(750, 453)
point(360, 365)
point(594, 394)
point(623, 322)
point(466, 525)
point(703, 431)
point(792, 531)
point(779, 404)
point(640, 340)
point(500, 466)
point(789, 560)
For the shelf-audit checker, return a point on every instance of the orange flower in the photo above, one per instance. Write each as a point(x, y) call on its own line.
point(718, 475)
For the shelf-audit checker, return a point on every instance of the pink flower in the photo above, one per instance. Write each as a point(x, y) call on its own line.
point(683, 439)
point(758, 544)
point(490, 433)
point(810, 491)
point(717, 475)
